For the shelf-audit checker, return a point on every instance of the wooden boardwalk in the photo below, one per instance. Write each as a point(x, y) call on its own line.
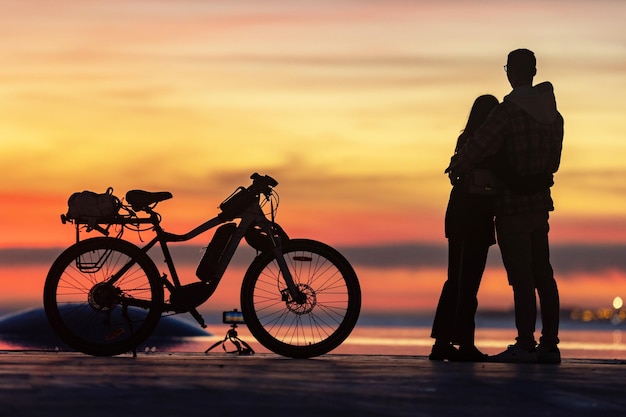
point(222, 385)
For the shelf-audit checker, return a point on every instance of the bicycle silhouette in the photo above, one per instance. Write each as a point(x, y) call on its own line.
point(104, 296)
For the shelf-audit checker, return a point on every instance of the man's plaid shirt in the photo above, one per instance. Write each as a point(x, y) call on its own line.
point(531, 147)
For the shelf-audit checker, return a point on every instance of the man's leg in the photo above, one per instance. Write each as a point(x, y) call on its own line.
point(546, 284)
point(514, 241)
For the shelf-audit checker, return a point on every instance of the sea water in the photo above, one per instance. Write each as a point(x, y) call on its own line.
point(401, 335)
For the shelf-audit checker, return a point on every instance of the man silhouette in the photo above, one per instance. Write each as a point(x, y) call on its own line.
point(526, 131)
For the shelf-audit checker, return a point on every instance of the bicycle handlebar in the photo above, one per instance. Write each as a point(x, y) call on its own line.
point(262, 184)
point(243, 197)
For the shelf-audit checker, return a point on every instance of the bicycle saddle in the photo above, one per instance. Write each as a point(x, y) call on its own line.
point(141, 200)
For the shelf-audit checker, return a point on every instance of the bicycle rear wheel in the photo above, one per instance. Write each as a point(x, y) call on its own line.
point(314, 325)
point(91, 313)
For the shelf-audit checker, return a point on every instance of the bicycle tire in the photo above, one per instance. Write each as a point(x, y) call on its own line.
point(92, 316)
point(312, 328)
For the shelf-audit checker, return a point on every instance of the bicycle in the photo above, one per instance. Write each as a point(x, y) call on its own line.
point(105, 295)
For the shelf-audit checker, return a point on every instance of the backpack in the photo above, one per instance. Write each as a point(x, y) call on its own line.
point(91, 208)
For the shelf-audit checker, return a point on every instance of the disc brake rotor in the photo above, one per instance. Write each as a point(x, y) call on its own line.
point(308, 302)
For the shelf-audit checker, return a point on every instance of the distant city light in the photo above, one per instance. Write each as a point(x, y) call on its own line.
point(618, 303)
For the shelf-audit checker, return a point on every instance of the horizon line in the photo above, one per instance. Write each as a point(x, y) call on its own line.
point(568, 257)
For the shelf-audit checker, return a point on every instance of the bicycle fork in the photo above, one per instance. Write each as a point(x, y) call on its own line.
point(292, 289)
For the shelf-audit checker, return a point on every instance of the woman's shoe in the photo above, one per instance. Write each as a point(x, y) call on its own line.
point(443, 352)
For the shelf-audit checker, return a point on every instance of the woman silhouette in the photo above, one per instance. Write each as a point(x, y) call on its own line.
point(469, 228)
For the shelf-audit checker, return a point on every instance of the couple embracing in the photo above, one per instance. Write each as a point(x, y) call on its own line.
point(501, 173)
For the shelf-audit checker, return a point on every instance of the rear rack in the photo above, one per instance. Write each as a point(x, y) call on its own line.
point(103, 225)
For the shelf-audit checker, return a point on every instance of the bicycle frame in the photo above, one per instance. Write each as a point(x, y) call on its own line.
point(250, 217)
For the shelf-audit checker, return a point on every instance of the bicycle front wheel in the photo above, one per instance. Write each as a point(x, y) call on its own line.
point(103, 296)
point(313, 325)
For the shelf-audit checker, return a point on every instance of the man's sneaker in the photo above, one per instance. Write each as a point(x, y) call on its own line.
point(469, 354)
point(548, 354)
point(443, 352)
point(515, 354)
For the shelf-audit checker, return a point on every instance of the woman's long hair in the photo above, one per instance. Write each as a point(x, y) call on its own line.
point(483, 105)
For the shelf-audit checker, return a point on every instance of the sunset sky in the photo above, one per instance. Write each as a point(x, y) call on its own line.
point(353, 105)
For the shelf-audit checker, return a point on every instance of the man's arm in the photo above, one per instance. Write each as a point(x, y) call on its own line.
point(487, 140)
